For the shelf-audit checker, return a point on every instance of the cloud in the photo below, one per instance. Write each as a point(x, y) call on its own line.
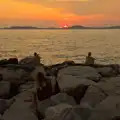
point(52, 12)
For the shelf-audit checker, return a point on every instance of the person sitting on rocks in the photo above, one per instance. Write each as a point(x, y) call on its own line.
point(89, 59)
point(37, 58)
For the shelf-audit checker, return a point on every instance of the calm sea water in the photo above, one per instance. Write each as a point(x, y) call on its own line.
point(58, 45)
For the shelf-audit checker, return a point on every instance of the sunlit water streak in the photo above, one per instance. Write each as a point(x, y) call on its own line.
point(59, 45)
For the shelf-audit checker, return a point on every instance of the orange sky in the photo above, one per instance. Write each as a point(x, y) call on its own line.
point(58, 12)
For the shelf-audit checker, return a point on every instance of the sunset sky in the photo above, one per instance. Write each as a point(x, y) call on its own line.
point(45, 13)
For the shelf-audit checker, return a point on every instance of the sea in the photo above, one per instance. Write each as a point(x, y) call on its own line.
point(56, 46)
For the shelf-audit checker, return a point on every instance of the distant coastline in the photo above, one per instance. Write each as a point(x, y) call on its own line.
point(52, 28)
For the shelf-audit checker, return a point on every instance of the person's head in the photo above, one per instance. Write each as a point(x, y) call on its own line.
point(35, 54)
point(89, 54)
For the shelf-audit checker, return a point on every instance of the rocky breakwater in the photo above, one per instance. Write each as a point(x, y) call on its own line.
point(86, 92)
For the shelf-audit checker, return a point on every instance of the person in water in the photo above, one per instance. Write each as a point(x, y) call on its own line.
point(37, 58)
point(89, 59)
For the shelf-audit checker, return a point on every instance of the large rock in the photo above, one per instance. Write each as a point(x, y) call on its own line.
point(81, 72)
point(107, 109)
point(43, 105)
point(93, 96)
point(110, 86)
point(72, 77)
point(5, 104)
point(54, 100)
point(67, 112)
point(68, 82)
point(20, 110)
point(63, 98)
point(106, 71)
point(61, 112)
point(29, 61)
point(17, 76)
point(5, 88)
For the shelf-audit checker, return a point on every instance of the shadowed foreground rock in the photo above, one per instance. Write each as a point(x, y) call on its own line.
point(20, 110)
point(67, 112)
point(86, 93)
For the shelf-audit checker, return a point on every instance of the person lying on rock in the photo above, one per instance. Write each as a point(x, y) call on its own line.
point(89, 59)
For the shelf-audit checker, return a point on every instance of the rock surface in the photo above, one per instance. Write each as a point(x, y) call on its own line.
point(20, 110)
point(93, 96)
point(67, 112)
point(107, 109)
point(106, 71)
point(15, 76)
point(4, 89)
point(63, 98)
point(111, 86)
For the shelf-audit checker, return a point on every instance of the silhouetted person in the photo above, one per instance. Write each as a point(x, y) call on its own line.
point(89, 59)
point(37, 58)
point(43, 87)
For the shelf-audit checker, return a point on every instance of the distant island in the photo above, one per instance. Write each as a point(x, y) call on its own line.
point(71, 27)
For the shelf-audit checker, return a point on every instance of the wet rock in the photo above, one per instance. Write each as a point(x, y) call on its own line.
point(93, 96)
point(107, 109)
point(4, 89)
point(106, 71)
point(63, 98)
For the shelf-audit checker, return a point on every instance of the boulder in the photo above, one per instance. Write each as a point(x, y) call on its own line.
point(61, 112)
point(5, 88)
point(81, 72)
point(63, 98)
point(70, 82)
point(67, 112)
point(72, 77)
point(107, 109)
point(29, 61)
point(43, 105)
point(17, 76)
point(93, 96)
point(110, 86)
point(106, 71)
